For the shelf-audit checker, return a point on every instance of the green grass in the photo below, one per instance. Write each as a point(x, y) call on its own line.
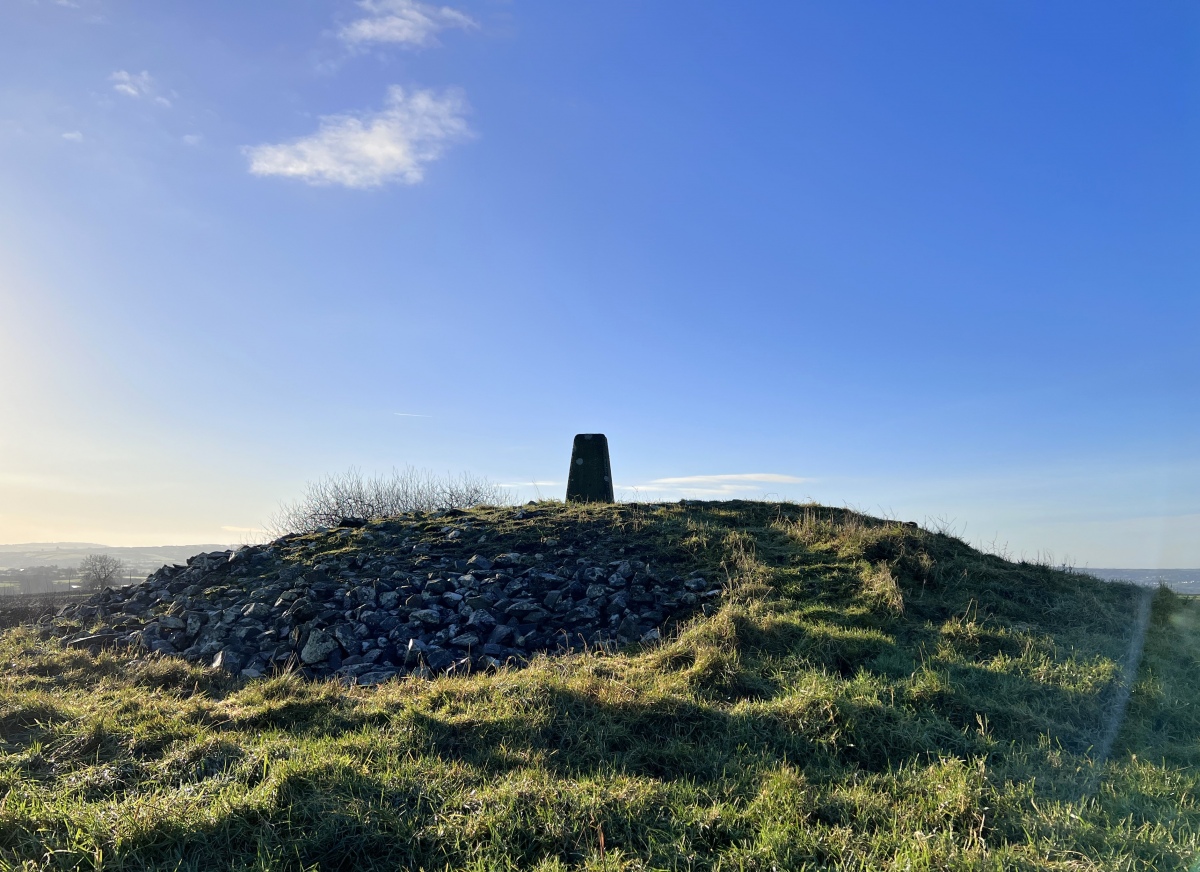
point(867, 696)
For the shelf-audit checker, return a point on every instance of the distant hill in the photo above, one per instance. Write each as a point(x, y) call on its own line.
point(1179, 580)
point(64, 554)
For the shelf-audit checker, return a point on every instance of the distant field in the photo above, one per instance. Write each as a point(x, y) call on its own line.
point(868, 695)
point(18, 609)
point(65, 554)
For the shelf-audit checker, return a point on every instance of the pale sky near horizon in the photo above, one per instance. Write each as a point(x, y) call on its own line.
point(931, 260)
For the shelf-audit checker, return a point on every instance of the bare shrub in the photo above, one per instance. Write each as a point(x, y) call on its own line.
point(352, 495)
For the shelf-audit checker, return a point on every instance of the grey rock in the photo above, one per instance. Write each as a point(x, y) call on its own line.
point(415, 649)
point(346, 637)
point(319, 646)
point(438, 659)
point(499, 633)
point(482, 619)
point(376, 677)
point(629, 629)
point(257, 611)
point(228, 660)
point(428, 616)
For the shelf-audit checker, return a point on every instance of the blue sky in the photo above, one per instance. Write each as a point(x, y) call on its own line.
point(934, 260)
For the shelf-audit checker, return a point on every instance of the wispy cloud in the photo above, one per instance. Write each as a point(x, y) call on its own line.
point(729, 484)
point(403, 22)
point(140, 86)
point(369, 149)
point(73, 136)
point(410, 415)
point(191, 139)
point(754, 477)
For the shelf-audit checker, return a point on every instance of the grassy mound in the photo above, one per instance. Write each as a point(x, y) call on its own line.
point(867, 695)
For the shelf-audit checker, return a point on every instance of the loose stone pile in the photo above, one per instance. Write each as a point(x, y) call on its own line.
point(366, 602)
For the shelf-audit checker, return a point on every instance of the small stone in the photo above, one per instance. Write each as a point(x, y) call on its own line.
point(482, 619)
point(228, 660)
point(319, 646)
point(429, 616)
point(465, 640)
point(479, 562)
point(377, 677)
point(438, 659)
point(629, 629)
point(414, 651)
point(96, 640)
point(257, 611)
point(499, 633)
point(346, 636)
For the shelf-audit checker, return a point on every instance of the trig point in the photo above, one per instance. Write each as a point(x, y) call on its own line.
point(590, 480)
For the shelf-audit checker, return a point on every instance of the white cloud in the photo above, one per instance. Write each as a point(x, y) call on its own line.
point(138, 85)
point(406, 22)
point(73, 136)
point(191, 139)
point(726, 485)
point(732, 479)
point(366, 150)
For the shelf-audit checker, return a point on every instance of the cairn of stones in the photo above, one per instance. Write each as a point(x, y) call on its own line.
point(367, 601)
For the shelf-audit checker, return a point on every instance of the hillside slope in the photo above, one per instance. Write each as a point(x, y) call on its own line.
point(862, 694)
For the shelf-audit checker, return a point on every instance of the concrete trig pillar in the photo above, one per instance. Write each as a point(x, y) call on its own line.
point(590, 480)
